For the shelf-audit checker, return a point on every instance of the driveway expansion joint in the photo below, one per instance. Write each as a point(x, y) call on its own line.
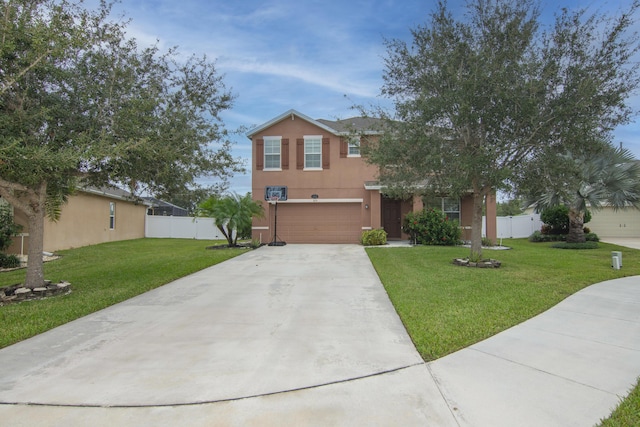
point(211, 402)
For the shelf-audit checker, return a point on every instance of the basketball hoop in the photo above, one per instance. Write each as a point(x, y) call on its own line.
point(273, 198)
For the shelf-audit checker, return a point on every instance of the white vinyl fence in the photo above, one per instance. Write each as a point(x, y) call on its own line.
point(517, 226)
point(182, 227)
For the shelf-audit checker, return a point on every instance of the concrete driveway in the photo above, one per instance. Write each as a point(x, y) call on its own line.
point(293, 335)
point(629, 242)
point(305, 335)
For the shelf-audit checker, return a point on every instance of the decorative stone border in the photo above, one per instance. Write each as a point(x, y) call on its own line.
point(18, 293)
point(485, 263)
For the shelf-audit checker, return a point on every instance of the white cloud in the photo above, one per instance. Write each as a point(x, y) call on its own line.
point(331, 79)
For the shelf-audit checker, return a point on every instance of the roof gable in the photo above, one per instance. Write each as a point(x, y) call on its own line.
point(290, 113)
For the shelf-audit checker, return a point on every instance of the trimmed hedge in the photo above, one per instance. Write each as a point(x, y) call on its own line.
point(374, 237)
point(537, 237)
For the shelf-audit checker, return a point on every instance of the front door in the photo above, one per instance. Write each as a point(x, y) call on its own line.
point(391, 218)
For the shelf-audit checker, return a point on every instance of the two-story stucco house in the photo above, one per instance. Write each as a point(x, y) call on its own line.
point(332, 193)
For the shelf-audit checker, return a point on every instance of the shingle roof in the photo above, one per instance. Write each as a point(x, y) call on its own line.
point(354, 124)
point(114, 193)
point(337, 127)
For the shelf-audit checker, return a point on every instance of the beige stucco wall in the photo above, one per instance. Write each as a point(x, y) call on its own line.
point(84, 220)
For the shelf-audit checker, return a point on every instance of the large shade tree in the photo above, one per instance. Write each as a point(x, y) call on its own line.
point(478, 96)
point(610, 177)
point(82, 104)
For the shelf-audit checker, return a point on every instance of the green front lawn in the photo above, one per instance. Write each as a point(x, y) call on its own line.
point(103, 275)
point(446, 308)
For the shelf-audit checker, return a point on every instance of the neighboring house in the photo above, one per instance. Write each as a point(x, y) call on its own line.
point(162, 208)
point(333, 194)
point(90, 217)
point(607, 222)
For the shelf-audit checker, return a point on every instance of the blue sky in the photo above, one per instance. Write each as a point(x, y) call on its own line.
point(318, 57)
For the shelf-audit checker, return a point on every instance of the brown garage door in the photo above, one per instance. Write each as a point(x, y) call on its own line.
point(319, 222)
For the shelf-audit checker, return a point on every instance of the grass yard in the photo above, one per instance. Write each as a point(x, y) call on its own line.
point(446, 308)
point(103, 275)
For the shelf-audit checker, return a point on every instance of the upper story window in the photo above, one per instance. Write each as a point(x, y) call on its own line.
point(313, 152)
point(448, 205)
point(112, 215)
point(272, 152)
point(354, 147)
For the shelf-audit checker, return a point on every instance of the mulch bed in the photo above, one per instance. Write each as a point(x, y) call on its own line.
point(239, 245)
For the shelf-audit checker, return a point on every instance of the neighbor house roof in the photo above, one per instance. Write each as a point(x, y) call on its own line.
point(163, 205)
point(366, 125)
point(114, 193)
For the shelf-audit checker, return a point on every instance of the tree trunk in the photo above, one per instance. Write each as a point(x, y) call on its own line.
point(476, 225)
point(35, 266)
point(31, 202)
point(576, 227)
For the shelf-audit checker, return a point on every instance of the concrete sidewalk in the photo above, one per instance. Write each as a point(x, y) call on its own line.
point(569, 366)
point(305, 335)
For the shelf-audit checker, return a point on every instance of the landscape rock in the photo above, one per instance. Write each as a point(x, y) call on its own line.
point(18, 293)
point(485, 263)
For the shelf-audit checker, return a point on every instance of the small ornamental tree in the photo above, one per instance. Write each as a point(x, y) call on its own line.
point(610, 178)
point(232, 214)
point(432, 227)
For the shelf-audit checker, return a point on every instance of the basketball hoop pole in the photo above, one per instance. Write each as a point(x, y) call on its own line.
point(275, 241)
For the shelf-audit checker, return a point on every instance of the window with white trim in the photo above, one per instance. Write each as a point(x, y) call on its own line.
point(313, 152)
point(112, 215)
point(448, 205)
point(354, 147)
point(272, 152)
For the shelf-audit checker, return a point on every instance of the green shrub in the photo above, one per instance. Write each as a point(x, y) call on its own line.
point(556, 219)
point(538, 236)
point(487, 242)
point(431, 227)
point(374, 237)
point(9, 261)
point(585, 245)
point(591, 237)
point(542, 236)
point(8, 228)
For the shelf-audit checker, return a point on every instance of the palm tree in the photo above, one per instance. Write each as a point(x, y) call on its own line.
point(231, 213)
point(610, 177)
